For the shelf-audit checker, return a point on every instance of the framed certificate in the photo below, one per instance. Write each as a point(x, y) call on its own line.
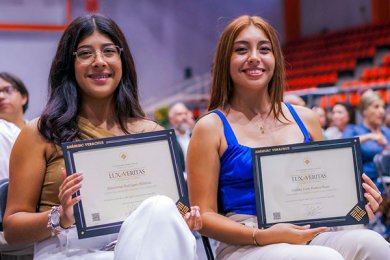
point(121, 172)
point(316, 183)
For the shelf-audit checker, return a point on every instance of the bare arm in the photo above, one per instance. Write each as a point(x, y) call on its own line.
point(203, 173)
point(206, 147)
point(27, 167)
point(377, 137)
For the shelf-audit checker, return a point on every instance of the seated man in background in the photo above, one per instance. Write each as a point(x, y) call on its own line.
point(181, 121)
point(13, 104)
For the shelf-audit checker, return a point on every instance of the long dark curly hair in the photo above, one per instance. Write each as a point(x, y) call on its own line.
point(58, 122)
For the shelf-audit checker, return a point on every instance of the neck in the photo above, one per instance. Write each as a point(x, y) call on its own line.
point(100, 114)
point(17, 120)
point(251, 105)
point(373, 127)
point(342, 127)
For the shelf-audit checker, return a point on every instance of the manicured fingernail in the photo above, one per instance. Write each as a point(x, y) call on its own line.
point(187, 216)
point(197, 213)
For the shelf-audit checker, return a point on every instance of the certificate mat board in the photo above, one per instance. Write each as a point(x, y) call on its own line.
point(317, 183)
point(119, 173)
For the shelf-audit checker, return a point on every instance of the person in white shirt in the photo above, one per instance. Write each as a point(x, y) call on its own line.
point(8, 134)
point(13, 104)
point(13, 99)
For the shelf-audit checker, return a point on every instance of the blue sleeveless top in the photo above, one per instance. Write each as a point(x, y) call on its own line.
point(236, 192)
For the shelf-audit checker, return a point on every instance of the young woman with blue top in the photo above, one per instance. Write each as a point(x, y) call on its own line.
point(246, 111)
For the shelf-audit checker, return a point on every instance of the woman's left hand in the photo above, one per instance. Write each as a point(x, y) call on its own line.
point(193, 219)
point(372, 195)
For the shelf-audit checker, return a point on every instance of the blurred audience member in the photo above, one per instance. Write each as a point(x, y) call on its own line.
point(294, 100)
point(374, 137)
point(343, 117)
point(181, 121)
point(13, 104)
point(387, 117)
point(190, 120)
point(321, 115)
point(13, 99)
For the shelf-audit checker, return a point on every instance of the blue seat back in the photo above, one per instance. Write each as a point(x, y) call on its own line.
point(3, 200)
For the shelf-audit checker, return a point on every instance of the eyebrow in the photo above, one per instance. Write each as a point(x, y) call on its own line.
point(7, 86)
point(89, 46)
point(246, 42)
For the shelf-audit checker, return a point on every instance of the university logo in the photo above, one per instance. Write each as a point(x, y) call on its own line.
point(123, 156)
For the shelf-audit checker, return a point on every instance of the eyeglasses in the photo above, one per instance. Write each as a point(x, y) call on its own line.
point(7, 91)
point(110, 53)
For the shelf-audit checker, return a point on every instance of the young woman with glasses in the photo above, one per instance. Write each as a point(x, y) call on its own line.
point(92, 93)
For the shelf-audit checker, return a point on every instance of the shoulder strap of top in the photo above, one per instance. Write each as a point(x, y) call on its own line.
point(299, 122)
point(227, 129)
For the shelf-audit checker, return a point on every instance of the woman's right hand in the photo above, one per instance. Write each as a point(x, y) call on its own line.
point(289, 233)
point(194, 219)
point(69, 186)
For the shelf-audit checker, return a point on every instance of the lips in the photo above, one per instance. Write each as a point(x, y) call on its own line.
point(3, 105)
point(254, 72)
point(99, 75)
point(99, 78)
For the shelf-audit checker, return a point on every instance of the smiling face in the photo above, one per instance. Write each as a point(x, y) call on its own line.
point(252, 62)
point(100, 78)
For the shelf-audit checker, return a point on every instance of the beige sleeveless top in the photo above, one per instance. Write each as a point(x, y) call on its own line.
point(53, 176)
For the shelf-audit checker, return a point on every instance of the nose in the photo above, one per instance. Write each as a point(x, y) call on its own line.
point(99, 59)
point(254, 58)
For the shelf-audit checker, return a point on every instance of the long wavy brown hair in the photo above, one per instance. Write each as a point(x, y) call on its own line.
point(222, 83)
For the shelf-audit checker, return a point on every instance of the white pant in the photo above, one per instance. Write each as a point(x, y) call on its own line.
point(155, 230)
point(355, 244)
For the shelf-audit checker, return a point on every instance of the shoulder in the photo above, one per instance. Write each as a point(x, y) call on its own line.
point(386, 131)
point(304, 112)
point(8, 130)
point(360, 129)
point(208, 122)
point(207, 135)
point(30, 130)
point(311, 122)
point(31, 141)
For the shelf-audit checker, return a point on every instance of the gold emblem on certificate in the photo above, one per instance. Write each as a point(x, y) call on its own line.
point(316, 183)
